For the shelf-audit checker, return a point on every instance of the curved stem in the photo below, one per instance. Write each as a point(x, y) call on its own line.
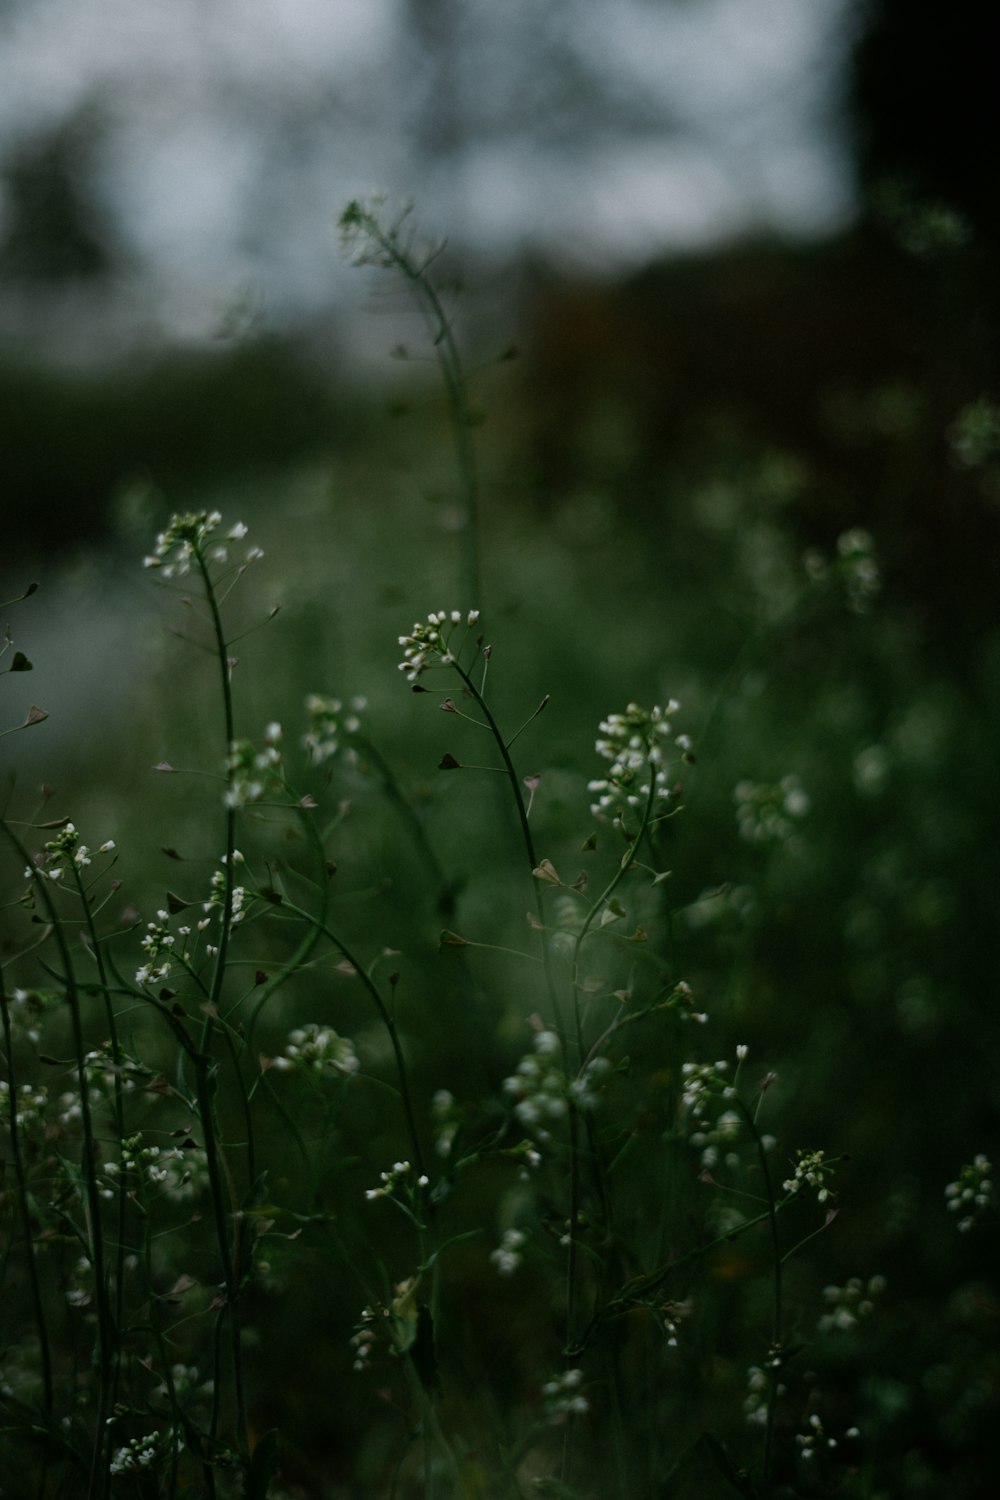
point(387, 1019)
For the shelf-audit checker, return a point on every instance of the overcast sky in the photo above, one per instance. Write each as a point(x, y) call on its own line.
point(602, 132)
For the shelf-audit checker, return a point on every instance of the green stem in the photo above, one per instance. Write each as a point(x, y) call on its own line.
point(99, 1471)
point(775, 1353)
point(119, 1108)
point(20, 1174)
point(206, 1073)
point(387, 1019)
point(450, 363)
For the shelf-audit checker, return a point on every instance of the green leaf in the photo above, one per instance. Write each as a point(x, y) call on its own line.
point(20, 663)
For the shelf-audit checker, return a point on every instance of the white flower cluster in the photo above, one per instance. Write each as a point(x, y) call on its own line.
point(815, 1439)
point(856, 565)
point(972, 1194)
point(138, 1454)
point(446, 1119)
point(539, 1086)
point(507, 1256)
point(974, 436)
point(187, 538)
point(811, 1170)
point(712, 1142)
point(331, 722)
point(758, 1395)
point(430, 642)
point(30, 1100)
point(768, 813)
point(363, 1340)
point(848, 1304)
point(637, 743)
point(563, 1397)
point(586, 1087)
point(672, 1315)
point(318, 1049)
point(159, 940)
point(704, 1082)
point(254, 773)
point(187, 1384)
point(397, 1173)
point(682, 1003)
point(26, 1009)
point(63, 852)
point(181, 1173)
point(217, 899)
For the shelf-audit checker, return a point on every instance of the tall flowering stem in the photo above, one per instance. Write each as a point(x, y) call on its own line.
point(187, 546)
point(25, 1207)
point(393, 246)
point(106, 1343)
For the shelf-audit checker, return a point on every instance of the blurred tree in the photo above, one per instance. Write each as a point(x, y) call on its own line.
point(53, 229)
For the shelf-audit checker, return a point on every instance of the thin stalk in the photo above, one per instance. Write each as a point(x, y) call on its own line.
point(450, 364)
point(601, 903)
point(20, 1174)
point(99, 1471)
point(409, 817)
point(775, 1353)
point(206, 1073)
point(119, 1106)
point(387, 1019)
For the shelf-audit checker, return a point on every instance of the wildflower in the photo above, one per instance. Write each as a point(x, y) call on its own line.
point(390, 1181)
point(702, 1082)
point(727, 1129)
point(217, 898)
point(29, 1103)
point(972, 1195)
point(539, 1086)
point(585, 1089)
point(447, 1119)
point(672, 1315)
point(186, 1383)
point(318, 1049)
point(363, 1340)
point(768, 813)
point(811, 1169)
point(182, 540)
point(507, 1256)
point(331, 723)
point(637, 743)
point(157, 942)
point(848, 1304)
point(682, 1003)
point(755, 1406)
point(563, 1397)
point(430, 643)
point(974, 436)
point(855, 565)
point(138, 1454)
point(254, 772)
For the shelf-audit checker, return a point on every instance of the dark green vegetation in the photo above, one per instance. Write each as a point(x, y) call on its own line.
point(664, 480)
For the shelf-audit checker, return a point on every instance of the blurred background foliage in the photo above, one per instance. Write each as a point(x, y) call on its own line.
point(657, 460)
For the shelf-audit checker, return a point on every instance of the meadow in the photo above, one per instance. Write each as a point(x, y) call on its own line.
point(498, 957)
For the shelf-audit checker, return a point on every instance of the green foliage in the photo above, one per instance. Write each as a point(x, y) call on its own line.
point(496, 1084)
